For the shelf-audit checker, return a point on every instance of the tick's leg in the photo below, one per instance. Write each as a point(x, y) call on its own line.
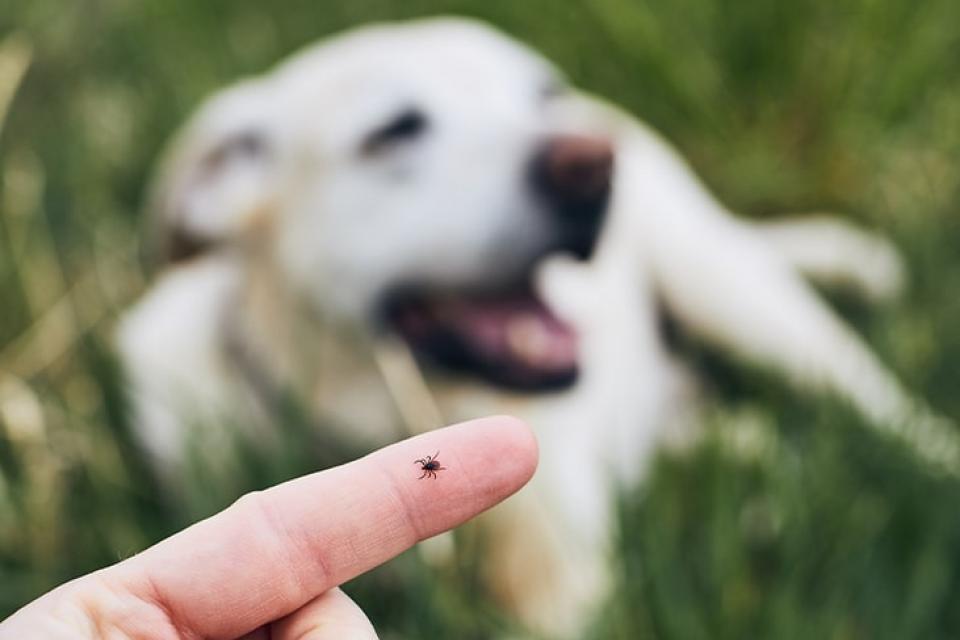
point(423, 476)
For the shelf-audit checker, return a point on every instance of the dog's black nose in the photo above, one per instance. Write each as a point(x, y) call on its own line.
point(573, 174)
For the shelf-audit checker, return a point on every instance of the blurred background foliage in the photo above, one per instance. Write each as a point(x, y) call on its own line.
point(791, 519)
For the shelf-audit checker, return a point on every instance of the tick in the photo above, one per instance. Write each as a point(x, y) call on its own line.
point(429, 465)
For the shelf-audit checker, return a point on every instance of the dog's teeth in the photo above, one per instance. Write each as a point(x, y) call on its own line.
point(529, 339)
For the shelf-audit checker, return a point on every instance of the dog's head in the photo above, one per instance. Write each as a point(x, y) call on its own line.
point(406, 176)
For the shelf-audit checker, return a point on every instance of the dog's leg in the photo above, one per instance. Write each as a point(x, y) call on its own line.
point(543, 565)
point(838, 254)
point(723, 280)
point(551, 562)
point(178, 380)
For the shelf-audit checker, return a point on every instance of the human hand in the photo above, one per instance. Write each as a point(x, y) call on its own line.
point(269, 565)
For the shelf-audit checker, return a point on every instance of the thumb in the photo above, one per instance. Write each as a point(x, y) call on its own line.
point(329, 616)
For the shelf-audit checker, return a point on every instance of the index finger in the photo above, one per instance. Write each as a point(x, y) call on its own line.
point(273, 551)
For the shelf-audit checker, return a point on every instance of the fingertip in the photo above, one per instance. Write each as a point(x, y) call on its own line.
point(509, 445)
point(521, 441)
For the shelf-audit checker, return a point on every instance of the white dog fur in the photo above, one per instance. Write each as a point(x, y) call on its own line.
point(303, 236)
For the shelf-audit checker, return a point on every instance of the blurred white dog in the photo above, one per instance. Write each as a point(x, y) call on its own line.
point(415, 224)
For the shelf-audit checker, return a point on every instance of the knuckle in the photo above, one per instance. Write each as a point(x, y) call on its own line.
point(99, 608)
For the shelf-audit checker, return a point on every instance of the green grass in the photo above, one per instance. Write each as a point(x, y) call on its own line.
point(818, 529)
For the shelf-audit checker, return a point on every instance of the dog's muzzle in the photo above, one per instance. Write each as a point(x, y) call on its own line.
point(572, 173)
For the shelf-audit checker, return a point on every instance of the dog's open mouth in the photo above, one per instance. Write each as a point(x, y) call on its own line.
point(510, 339)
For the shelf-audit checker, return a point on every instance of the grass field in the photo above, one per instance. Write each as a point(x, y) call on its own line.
point(818, 529)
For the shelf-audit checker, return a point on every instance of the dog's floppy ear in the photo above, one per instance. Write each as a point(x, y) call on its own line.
point(217, 177)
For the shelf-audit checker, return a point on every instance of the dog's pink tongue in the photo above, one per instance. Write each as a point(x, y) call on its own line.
point(520, 330)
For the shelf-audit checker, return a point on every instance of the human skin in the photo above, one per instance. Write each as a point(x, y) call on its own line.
point(269, 566)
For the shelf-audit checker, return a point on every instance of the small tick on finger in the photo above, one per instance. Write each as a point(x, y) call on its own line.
point(429, 465)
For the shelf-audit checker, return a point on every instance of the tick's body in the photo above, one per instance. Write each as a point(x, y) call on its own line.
point(429, 465)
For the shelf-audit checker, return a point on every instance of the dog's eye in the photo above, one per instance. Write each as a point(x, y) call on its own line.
point(553, 88)
point(248, 143)
point(409, 124)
